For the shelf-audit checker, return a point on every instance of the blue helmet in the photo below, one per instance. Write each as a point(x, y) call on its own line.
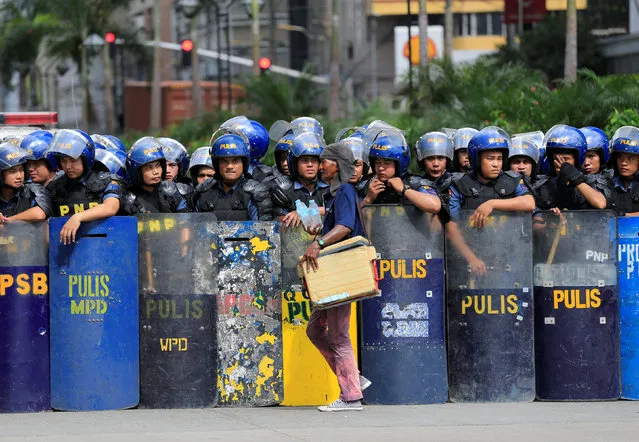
point(73, 143)
point(390, 144)
point(434, 144)
point(462, 137)
point(99, 142)
point(230, 145)
point(37, 145)
point(255, 133)
point(284, 143)
point(626, 140)
point(144, 151)
point(358, 147)
point(489, 138)
point(11, 155)
point(597, 140)
point(115, 142)
point(175, 152)
point(114, 160)
point(308, 124)
point(562, 137)
point(306, 144)
point(201, 157)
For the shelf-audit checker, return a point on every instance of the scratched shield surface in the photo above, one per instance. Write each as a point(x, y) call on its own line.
point(24, 315)
point(308, 380)
point(628, 265)
point(577, 307)
point(490, 314)
point(249, 314)
point(178, 310)
point(404, 327)
point(94, 316)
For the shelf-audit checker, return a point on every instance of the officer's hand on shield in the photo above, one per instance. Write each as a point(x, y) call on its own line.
point(291, 219)
point(310, 256)
point(3, 219)
point(477, 266)
point(481, 214)
point(67, 234)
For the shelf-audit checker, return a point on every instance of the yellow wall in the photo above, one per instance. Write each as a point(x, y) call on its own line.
point(398, 7)
point(479, 43)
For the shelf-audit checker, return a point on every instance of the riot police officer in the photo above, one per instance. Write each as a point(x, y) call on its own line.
point(201, 166)
point(84, 194)
point(232, 195)
point(258, 139)
point(487, 187)
point(389, 156)
point(568, 189)
point(461, 162)
point(624, 198)
point(361, 177)
point(303, 184)
point(41, 165)
point(281, 154)
point(177, 159)
point(597, 155)
point(20, 201)
point(149, 191)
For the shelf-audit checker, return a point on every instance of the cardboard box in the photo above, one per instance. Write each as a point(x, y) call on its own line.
point(346, 273)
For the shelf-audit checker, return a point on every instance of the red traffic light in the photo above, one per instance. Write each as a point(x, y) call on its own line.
point(187, 45)
point(109, 37)
point(264, 63)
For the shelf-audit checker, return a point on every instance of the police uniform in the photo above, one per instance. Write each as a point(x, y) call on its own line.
point(164, 198)
point(286, 191)
point(557, 193)
point(247, 200)
point(28, 196)
point(69, 197)
point(624, 200)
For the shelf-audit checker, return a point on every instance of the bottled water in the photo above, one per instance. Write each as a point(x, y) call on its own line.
point(313, 210)
point(303, 213)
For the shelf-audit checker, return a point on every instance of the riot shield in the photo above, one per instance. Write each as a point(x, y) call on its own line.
point(24, 315)
point(403, 349)
point(249, 327)
point(490, 313)
point(308, 379)
point(628, 265)
point(576, 306)
point(178, 310)
point(94, 316)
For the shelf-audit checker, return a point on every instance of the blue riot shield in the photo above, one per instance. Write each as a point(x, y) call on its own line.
point(249, 314)
point(94, 316)
point(24, 315)
point(403, 351)
point(178, 342)
point(576, 306)
point(628, 265)
point(490, 309)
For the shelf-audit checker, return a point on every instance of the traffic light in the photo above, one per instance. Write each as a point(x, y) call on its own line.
point(264, 63)
point(109, 38)
point(187, 52)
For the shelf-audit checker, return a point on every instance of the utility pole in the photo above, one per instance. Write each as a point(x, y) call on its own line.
point(84, 77)
point(333, 110)
point(195, 68)
point(423, 35)
point(570, 62)
point(448, 30)
point(272, 29)
point(108, 90)
point(156, 88)
point(255, 16)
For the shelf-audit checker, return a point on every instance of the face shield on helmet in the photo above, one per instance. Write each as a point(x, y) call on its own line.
point(144, 151)
point(308, 124)
point(37, 145)
point(597, 140)
point(255, 133)
point(525, 148)
point(388, 144)
point(175, 152)
point(75, 144)
point(434, 144)
point(360, 151)
point(565, 138)
point(487, 139)
point(201, 157)
point(307, 144)
point(11, 156)
point(113, 161)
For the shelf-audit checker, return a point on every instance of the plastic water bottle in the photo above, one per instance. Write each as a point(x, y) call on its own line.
point(303, 213)
point(313, 210)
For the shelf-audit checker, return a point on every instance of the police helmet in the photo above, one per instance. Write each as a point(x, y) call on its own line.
point(282, 147)
point(98, 141)
point(201, 157)
point(175, 152)
point(489, 138)
point(563, 137)
point(308, 124)
point(114, 160)
point(306, 144)
point(526, 148)
point(434, 144)
point(144, 151)
point(255, 133)
point(389, 144)
point(230, 145)
point(37, 145)
point(73, 143)
point(626, 139)
point(114, 142)
point(360, 151)
point(11, 155)
point(597, 140)
point(462, 137)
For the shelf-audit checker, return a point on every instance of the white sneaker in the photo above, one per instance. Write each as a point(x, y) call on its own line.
point(340, 405)
point(364, 383)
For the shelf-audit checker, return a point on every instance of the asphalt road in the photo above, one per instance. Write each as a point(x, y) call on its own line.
point(595, 421)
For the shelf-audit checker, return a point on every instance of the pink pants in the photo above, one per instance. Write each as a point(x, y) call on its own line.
point(328, 330)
